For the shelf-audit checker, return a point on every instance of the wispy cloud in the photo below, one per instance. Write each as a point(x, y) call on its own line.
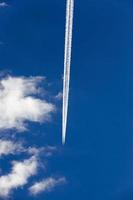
point(8, 147)
point(46, 185)
point(18, 103)
point(21, 172)
point(47, 151)
point(59, 96)
point(3, 4)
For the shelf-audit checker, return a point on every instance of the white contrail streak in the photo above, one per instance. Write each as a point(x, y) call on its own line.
point(67, 63)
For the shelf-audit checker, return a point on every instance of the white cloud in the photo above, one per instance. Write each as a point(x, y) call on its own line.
point(9, 147)
point(46, 185)
point(21, 172)
point(18, 103)
point(47, 151)
point(59, 96)
point(3, 4)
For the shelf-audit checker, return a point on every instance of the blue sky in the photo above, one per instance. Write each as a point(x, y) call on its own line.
point(97, 159)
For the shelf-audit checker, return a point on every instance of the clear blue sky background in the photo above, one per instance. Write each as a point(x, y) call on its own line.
point(97, 159)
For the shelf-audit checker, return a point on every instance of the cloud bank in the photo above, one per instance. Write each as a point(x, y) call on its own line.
point(18, 103)
point(46, 185)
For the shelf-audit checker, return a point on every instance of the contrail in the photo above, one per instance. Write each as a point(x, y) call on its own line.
point(67, 63)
